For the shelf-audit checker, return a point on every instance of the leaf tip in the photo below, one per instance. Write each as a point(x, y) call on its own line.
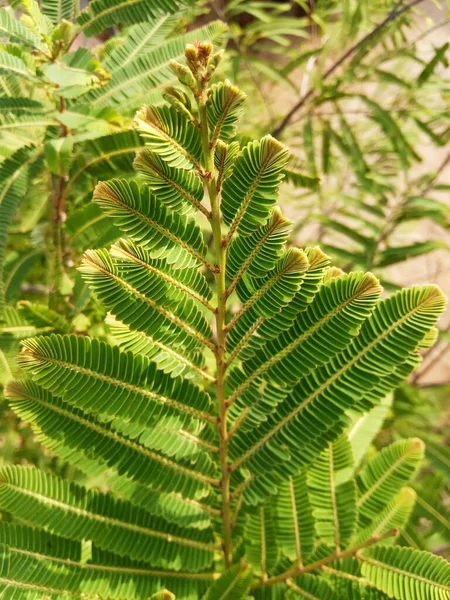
point(407, 496)
point(370, 285)
point(416, 446)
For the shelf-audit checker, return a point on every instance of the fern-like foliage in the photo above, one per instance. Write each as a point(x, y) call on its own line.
point(221, 409)
point(416, 412)
point(370, 99)
point(77, 128)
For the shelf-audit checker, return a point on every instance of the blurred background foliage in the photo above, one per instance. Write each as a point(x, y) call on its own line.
point(358, 89)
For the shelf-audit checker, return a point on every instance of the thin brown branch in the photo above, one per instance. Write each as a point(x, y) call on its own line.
point(437, 173)
point(392, 221)
point(427, 32)
point(297, 569)
point(396, 12)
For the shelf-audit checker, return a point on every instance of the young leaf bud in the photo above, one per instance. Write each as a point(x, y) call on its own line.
point(179, 106)
point(178, 95)
point(191, 54)
point(204, 51)
point(183, 74)
point(62, 33)
point(213, 61)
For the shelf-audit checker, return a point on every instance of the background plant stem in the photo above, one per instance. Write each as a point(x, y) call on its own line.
point(398, 10)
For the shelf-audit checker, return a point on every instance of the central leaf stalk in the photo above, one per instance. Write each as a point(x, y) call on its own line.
point(220, 251)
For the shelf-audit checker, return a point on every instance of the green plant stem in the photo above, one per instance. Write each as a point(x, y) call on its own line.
point(60, 205)
point(58, 238)
point(220, 263)
point(297, 569)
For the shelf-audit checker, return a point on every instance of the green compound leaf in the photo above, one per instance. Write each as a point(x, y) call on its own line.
point(258, 253)
point(380, 479)
point(99, 378)
point(143, 217)
point(11, 27)
point(406, 574)
point(22, 576)
point(180, 190)
point(250, 192)
point(170, 135)
point(77, 513)
point(136, 295)
point(311, 587)
point(394, 516)
point(224, 109)
point(260, 540)
point(131, 459)
point(294, 518)
point(333, 494)
point(234, 583)
point(315, 408)
point(101, 14)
